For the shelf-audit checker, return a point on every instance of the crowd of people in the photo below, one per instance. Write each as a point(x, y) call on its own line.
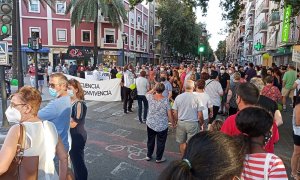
point(186, 98)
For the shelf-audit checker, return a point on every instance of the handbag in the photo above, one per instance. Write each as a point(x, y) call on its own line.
point(22, 167)
point(133, 94)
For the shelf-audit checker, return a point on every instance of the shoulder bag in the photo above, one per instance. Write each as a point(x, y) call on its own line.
point(22, 167)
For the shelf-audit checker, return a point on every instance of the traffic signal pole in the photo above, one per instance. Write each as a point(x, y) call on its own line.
point(19, 56)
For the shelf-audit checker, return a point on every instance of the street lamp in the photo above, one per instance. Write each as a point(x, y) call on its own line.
point(124, 35)
point(201, 47)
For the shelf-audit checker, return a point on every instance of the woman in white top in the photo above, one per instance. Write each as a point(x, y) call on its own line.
point(296, 137)
point(204, 97)
point(41, 136)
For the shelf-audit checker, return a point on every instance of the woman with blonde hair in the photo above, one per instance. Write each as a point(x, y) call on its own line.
point(77, 129)
point(42, 139)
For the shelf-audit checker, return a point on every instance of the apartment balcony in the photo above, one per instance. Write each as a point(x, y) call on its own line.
point(250, 22)
point(249, 52)
point(140, 27)
point(252, 9)
point(263, 7)
point(249, 38)
point(274, 18)
point(263, 27)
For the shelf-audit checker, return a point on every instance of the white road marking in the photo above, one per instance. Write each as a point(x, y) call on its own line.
point(127, 170)
point(121, 133)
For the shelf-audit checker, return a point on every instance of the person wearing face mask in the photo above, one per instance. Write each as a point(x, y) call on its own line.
point(41, 73)
point(128, 79)
point(42, 139)
point(247, 96)
point(224, 79)
point(77, 129)
point(31, 72)
point(58, 111)
point(168, 86)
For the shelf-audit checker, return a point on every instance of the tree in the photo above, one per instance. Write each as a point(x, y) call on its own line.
point(221, 51)
point(88, 10)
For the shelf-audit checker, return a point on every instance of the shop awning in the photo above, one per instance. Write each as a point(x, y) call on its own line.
point(26, 49)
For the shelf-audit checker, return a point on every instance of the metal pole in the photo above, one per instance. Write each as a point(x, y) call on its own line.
point(123, 52)
point(36, 70)
point(201, 63)
point(19, 57)
point(3, 96)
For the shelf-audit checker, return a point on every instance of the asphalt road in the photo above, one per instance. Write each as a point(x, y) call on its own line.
point(116, 145)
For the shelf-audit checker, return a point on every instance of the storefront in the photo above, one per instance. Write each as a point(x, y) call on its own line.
point(80, 54)
point(282, 56)
point(111, 57)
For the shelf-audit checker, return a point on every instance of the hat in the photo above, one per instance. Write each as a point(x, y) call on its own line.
point(213, 74)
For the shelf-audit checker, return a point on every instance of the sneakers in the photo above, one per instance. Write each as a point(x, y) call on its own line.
point(161, 160)
point(130, 111)
point(148, 158)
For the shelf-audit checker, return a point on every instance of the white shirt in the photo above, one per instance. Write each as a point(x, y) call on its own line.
point(142, 86)
point(298, 86)
point(213, 88)
point(128, 78)
point(49, 70)
point(41, 140)
point(205, 99)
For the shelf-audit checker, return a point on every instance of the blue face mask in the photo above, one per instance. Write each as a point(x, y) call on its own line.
point(53, 92)
point(71, 93)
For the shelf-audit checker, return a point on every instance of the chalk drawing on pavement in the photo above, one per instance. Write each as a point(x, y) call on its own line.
point(91, 155)
point(127, 170)
point(134, 152)
point(121, 133)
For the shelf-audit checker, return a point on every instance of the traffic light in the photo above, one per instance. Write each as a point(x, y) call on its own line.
point(6, 16)
point(201, 48)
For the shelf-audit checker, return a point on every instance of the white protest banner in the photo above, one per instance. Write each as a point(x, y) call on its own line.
point(296, 54)
point(104, 75)
point(109, 90)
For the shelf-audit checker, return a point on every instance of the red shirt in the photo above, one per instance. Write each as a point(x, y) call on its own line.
point(229, 128)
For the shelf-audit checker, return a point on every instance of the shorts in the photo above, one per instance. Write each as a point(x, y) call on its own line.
point(40, 82)
point(287, 92)
point(296, 139)
point(185, 130)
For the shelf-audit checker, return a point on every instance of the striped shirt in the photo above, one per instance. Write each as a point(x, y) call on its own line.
point(254, 167)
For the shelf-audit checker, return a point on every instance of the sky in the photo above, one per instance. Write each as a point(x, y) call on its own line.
point(213, 22)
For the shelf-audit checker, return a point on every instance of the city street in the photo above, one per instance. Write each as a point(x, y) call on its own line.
point(116, 145)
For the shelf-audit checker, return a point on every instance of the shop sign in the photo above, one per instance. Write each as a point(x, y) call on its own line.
point(111, 53)
point(286, 23)
point(76, 52)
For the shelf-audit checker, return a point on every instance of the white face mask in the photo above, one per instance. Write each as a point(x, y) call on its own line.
point(13, 115)
point(222, 71)
point(162, 69)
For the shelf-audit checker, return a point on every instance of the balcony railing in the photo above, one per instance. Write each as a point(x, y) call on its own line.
point(249, 38)
point(274, 18)
point(263, 27)
point(139, 27)
point(263, 7)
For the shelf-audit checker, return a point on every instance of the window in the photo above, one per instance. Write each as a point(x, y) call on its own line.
point(131, 14)
point(132, 40)
point(126, 40)
point(138, 41)
point(145, 44)
point(34, 6)
point(85, 36)
point(35, 32)
point(61, 35)
point(109, 35)
point(60, 7)
point(151, 30)
point(145, 26)
point(139, 20)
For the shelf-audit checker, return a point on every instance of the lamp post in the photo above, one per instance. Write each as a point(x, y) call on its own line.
point(201, 46)
point(123, 53)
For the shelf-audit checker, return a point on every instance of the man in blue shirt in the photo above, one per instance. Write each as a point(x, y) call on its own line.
point(168, 86)
point(58, 111)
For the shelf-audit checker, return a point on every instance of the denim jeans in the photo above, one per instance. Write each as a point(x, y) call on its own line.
point(142, 99)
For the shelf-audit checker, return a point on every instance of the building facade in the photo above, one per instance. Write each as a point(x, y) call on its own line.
point(63, 43)
point(263, 34)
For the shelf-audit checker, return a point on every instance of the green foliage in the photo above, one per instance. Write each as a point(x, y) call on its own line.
point(88, 10)
point(179, 29)
point(221, 51)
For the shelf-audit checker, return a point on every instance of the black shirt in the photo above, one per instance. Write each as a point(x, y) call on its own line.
point(113, 73)
point(40, 76)
point(79, 132)
point(268, 104)
point(223, 78)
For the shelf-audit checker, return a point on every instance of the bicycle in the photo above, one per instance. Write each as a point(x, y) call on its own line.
point(135, 153)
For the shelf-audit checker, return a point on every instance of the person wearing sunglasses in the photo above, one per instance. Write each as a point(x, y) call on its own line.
point(42, 139)
point(58, 110)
